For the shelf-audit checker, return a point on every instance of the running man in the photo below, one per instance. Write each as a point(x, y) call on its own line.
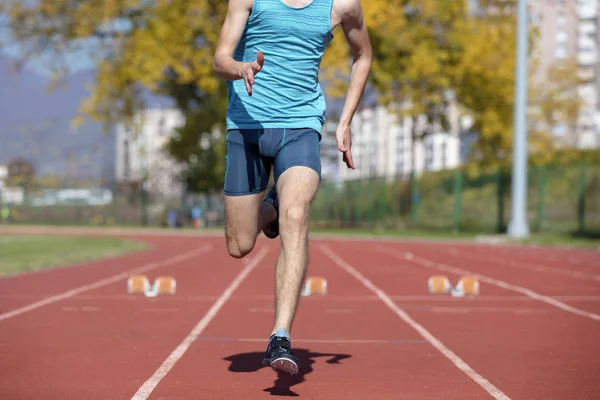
point(270, 52)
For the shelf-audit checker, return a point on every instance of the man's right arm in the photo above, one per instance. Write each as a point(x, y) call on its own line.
point(224, 64)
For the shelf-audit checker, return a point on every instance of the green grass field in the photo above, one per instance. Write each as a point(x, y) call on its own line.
point(31, 253)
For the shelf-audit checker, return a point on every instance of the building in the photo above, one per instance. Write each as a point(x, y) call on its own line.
point(382, 146)
point(3, 174)
point(568, 30)
point(141, 152)
point(9, 195)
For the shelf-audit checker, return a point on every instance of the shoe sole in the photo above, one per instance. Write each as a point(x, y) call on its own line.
point(285, 365)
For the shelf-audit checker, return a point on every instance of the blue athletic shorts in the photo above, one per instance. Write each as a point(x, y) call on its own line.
point(251, 153)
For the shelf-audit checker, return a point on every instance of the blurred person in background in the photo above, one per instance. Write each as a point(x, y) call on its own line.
point(5, 214)
point(270, 53)
point(196, 214)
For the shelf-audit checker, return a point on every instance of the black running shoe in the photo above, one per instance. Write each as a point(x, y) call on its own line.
point(279, 355)
point(272, 229)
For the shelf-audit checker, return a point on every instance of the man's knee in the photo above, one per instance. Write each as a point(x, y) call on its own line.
point(294, 217)
point(240, 246)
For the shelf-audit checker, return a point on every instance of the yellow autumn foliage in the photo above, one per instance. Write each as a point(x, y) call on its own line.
point(423, 50)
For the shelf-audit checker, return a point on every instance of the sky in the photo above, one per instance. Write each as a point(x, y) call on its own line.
point(77, 60)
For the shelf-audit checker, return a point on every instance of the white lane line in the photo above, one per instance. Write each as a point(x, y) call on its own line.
point(455, 359)
point(329, 298)
point(530, 266)
point(107, 281)
point(148, 387)
point(321, 341)
point(504, 285)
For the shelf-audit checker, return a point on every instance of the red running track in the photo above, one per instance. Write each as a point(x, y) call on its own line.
point(377, 334)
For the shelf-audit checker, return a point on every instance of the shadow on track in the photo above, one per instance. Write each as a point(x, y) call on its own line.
point(252, 362)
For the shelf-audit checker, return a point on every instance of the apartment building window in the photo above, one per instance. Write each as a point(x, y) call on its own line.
point(561, 52)
point(561, 21)
point(561, 36)
point(400, 143)
point(429, 150)
point(444, 151)
point(375, 121)
point(400, 151)
point(559, 130)
point(161, 126)
point(126, 160)
point(400, 163)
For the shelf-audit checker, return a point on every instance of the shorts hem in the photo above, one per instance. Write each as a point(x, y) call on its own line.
point(302, 164)
point(230, 193)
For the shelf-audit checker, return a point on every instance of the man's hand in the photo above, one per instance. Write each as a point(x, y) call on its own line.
point(249, 71)
point(343, 135)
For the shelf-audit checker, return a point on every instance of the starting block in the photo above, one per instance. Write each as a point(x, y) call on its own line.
point(467, 285)
point(141, 284)
point(162, 285)
point(439, 284)
point(315, 285)
point(138, 284)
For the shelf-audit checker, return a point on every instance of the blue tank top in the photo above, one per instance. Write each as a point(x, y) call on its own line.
point(286, 92)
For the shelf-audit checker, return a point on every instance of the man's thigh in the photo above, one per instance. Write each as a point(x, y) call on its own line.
point(241, 217)
point(297, 168)
point(299, 148)
point(246, 178)
point(246, 170)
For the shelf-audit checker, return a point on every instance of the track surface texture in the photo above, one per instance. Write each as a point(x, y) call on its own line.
point(73, 333)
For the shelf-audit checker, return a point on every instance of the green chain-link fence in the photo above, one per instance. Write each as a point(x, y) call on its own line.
point(560, 199)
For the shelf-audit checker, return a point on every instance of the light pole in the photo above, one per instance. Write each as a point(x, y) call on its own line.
point(518, 226)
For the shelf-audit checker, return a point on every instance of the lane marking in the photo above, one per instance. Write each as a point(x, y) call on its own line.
point(528, 266)
point(148, 387)
point(114, 297)
point(504, 285)
point(319, 341)
point(455, 359)
point(585, 261)
point(468, 310)
point(329, 298)
point(107, 281)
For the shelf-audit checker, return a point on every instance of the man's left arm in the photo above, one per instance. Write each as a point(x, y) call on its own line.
point(357, 36)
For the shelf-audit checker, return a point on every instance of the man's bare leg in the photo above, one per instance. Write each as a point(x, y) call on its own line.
point(296, 189)
point(245, 217)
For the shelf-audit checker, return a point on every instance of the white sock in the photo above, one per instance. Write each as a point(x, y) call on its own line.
point(282, 333)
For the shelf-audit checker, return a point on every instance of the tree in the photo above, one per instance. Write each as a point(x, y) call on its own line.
point(163, 47)
point(416, 53)
point(428, 54)
point(485, 83)
point(133, 43)
point(558, 102)
point(200, 142)
point(20, 173)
